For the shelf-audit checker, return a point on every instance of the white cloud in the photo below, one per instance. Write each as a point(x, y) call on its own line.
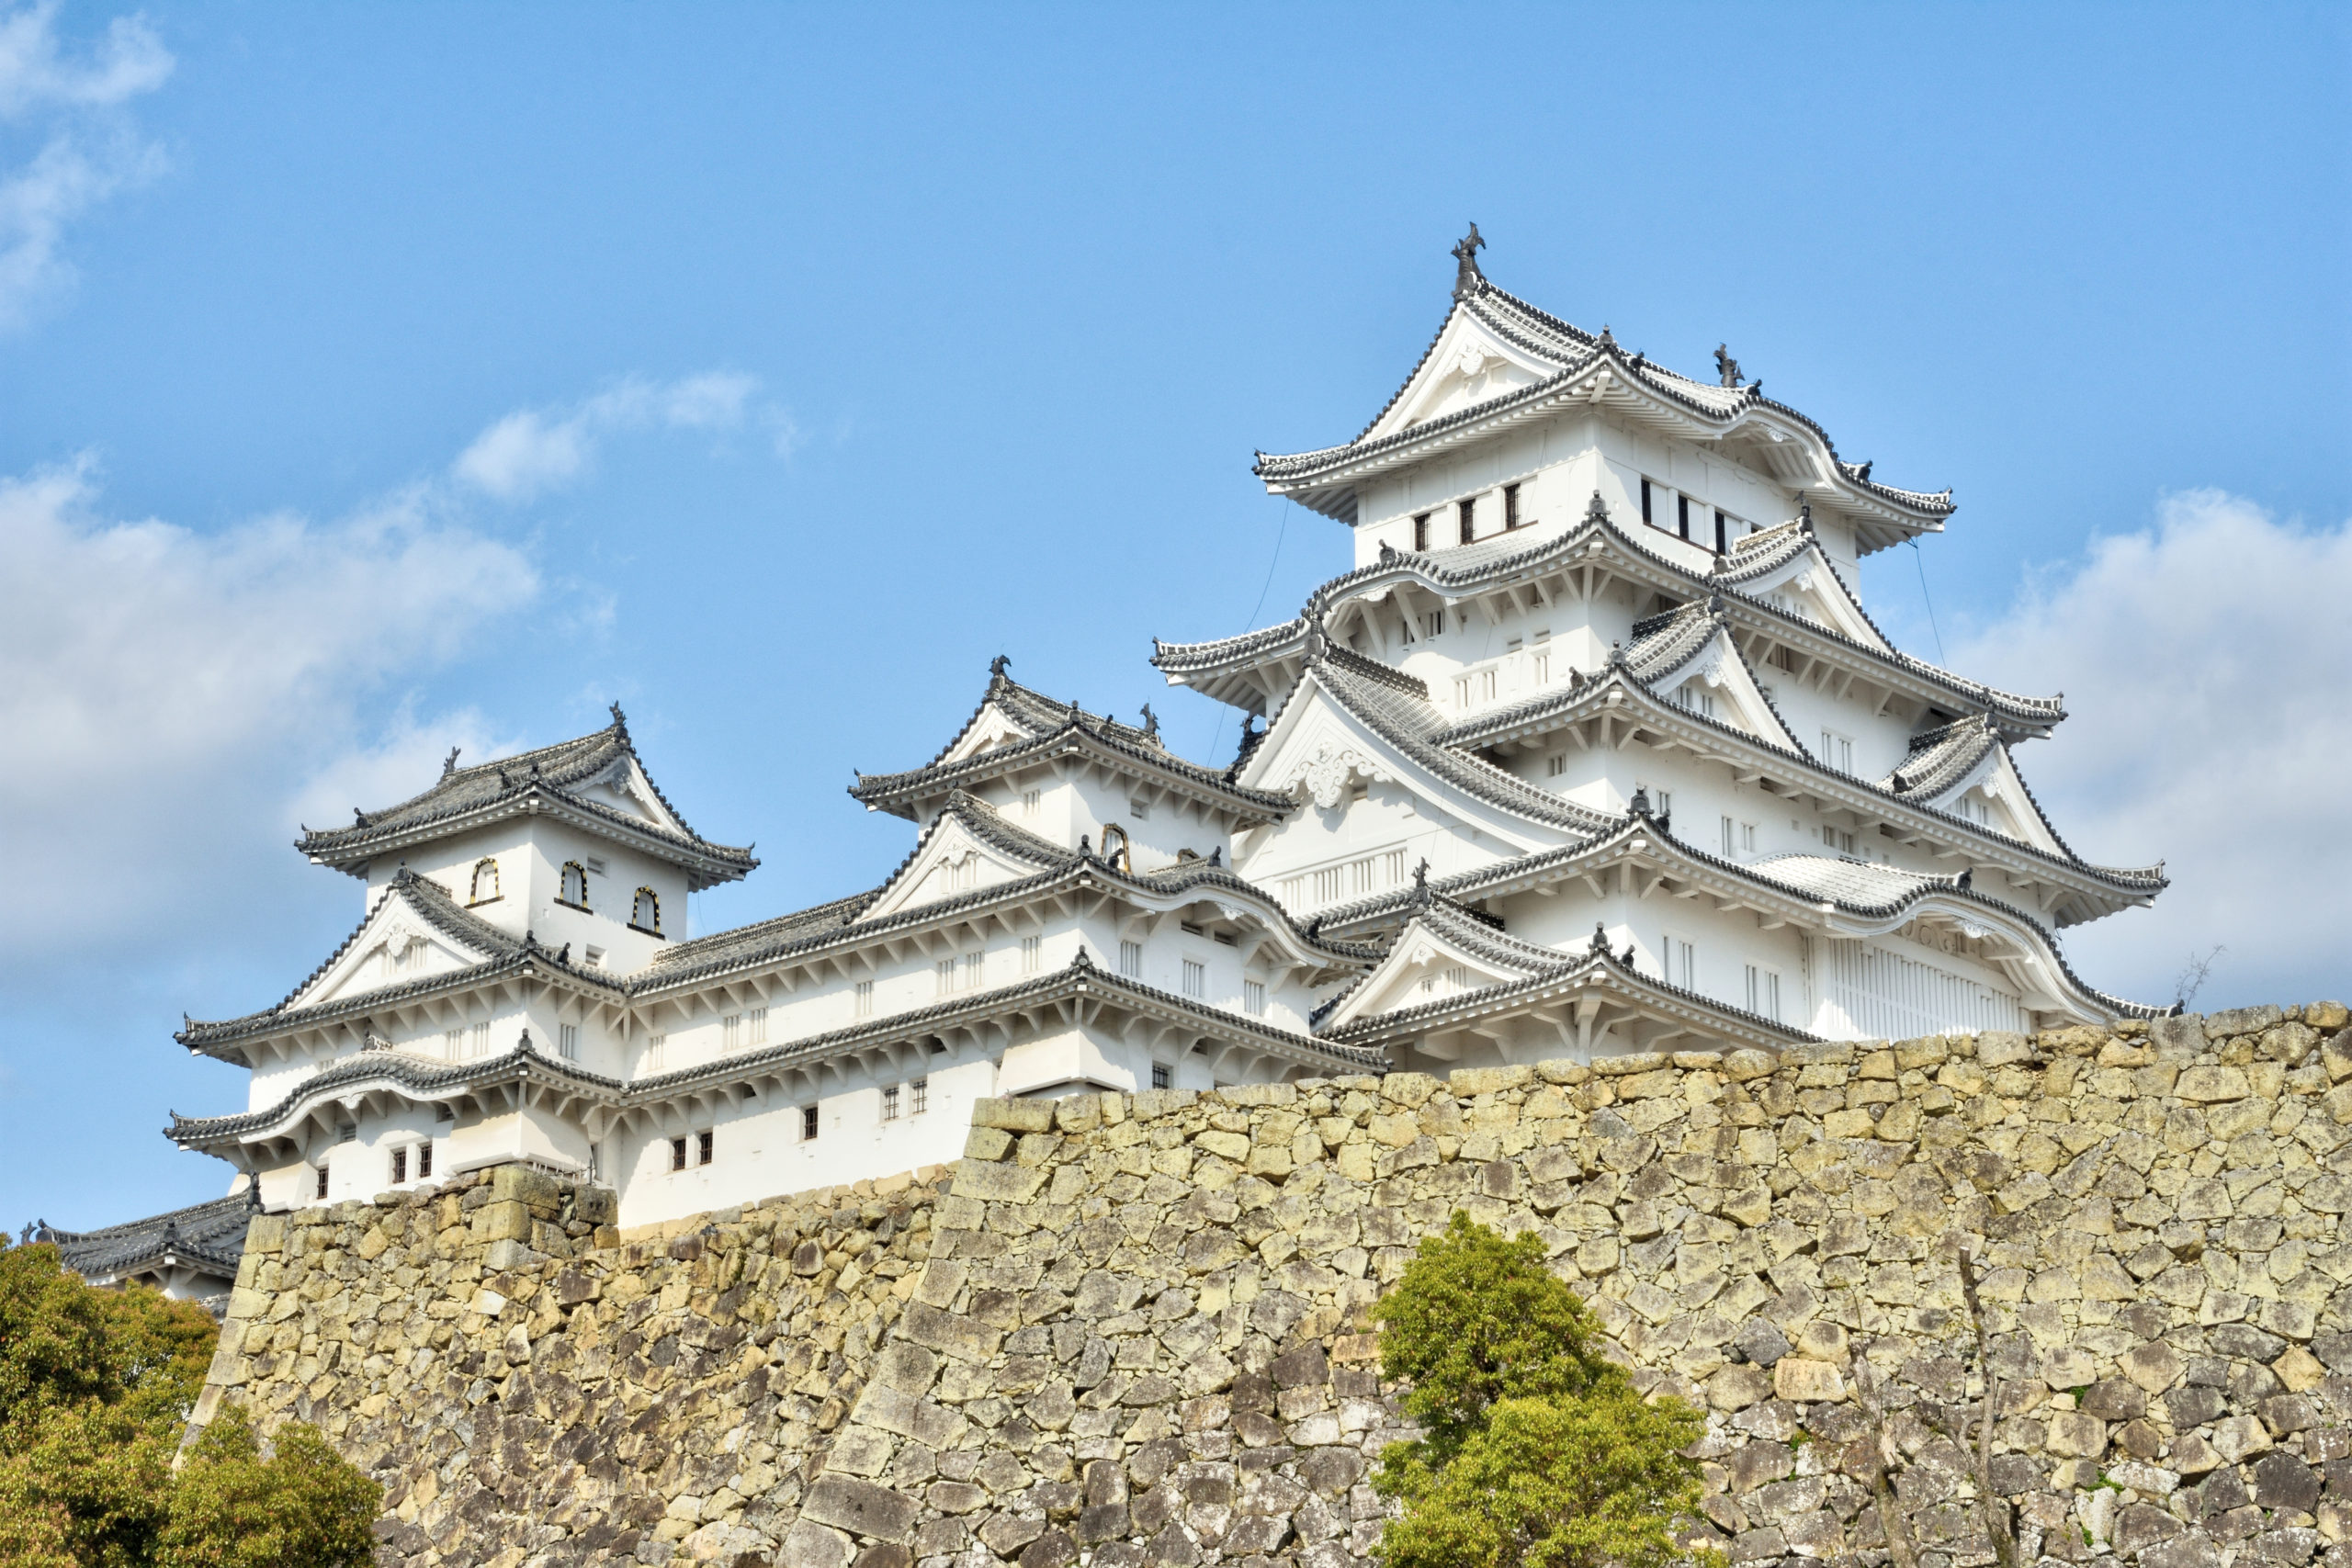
point(88, 153)
point(532, 451)
point(155, 681)
point(34, 75)
point(2203, 661)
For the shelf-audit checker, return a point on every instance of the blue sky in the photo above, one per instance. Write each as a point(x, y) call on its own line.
point(384, 379)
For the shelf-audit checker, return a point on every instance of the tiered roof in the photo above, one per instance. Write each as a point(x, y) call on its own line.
point(208, 1237)
point(1574, 367)
point(1504, 561)
point(550, 779)
point(1043, 729)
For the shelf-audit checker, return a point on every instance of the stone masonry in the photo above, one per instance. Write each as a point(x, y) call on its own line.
point(1133, 1329)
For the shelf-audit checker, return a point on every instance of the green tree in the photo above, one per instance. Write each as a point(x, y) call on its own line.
point(303, 1508)
point(96, 1386)
point(1536, 1450)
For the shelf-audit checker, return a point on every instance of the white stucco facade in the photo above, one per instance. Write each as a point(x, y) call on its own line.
point(1593, 748)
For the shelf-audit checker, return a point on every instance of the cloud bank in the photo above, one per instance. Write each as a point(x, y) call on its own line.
point(2203, 659)
point(533, 451)
point(76, 108)
point(160, 683)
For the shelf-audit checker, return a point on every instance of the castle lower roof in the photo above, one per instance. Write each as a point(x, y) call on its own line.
point(208, 1237)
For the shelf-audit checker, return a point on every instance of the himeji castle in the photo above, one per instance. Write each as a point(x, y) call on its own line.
point(1594, 750)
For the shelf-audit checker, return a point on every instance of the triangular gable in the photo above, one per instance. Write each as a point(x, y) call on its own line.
point(627, 789)
point(1429, 964)
point(1320, 749)
point(1470, 364)
point(991, 727)
point(397, 944)
point(1718, 682)
point(954, 858)
point(1993, 794)
point(1807, 586)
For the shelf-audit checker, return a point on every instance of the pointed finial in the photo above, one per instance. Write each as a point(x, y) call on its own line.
point(358, 818)
point(1895, 782)
point(1316, 639)
point(1641, 807)
point(620, 720)
point(1421, 873)
point(450, 764)
point(1862, 469)
point(997, 667)
point(1387, 551)
point(1150, 722)
point(1315, 928)
point(1726, 367)
point(1467, 278)
point(1599, 937)
point(1804, 514)
point(1596, 509)
point(1626, 958)
point(1966, 878)
point(1217, 854)
point(1607, 339)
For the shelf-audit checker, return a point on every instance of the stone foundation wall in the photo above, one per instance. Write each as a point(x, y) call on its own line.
point(1132, 1329)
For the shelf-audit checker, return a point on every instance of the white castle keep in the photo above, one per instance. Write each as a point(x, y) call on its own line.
point(1594, 750)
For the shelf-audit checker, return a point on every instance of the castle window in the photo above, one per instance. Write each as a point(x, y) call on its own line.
point(656, 1047)
point(1162, 1076)
point(1681, 962)
point(567, 1042)
point(1115, 847)
point(1645, 504)
point(1253, 998)
point(731, 1031)
point(1764, 993)
point(1467, 514)
point(480, 1039)
point(595, 958)
point(974, 964)
point(677, 1154)
point(320, 1193)
point(1032, 955)
point(808, 1124)
point(1033, 804)
point(863, 995)
point(485, 881)
point(1510, 504)
point(1723, 540)
point(1682, 515)
point(1139, 809)
point(890, 1103)
point(400, 1165)
point(1421, 532)
point(944, 969)
point(1556, 764)
point(645, 914)
point(920, 1092)
point(1433, 623)
point(756, 1025)
point(1131, 960)
point(1196, 978)
point(1731, 840)
point(452, 1042)
point(575, 886)
point(1836, 752)
point(702, 1149)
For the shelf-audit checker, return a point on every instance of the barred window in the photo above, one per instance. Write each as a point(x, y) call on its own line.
point(890, 1103)
point(808, 1124)
point(1162, 1076)
point(920, 1093)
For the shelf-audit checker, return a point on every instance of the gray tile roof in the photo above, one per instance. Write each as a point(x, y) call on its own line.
point(1055, 728)
point(1547, 338)
point(1463, 568)
point(1382, 698)
point(1940, 757)
point(426, 1080)
point(432, 902)
point(210, 1236)
point(488, 790)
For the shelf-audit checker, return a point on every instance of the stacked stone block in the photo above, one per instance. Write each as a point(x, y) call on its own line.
point(1133, 1329)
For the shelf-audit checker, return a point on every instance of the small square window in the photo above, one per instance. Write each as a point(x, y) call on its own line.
point(1162, 1076)
point(702, 1149)
point(808, 1124)
point(677, 1154)
point(1139, 809)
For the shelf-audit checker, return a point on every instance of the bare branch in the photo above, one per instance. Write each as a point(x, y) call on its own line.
point(1995, 1509)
